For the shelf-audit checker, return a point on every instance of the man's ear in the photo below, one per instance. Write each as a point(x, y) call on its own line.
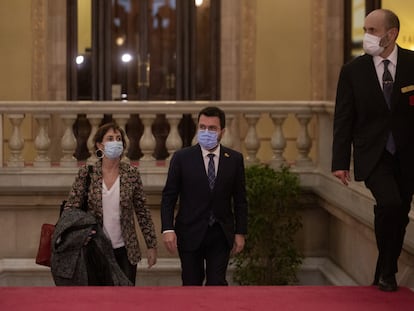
point(394, 33)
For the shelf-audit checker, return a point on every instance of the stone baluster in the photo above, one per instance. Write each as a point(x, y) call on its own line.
point(42, 141)
point(194, 141)
point(174, 141)
point(228, 139)
point(2, 146)
point(16, 141)
point(303, 142)
point(122, 120)
point(68, 142)
point(278, 141)
point(251, 141)
point(95, 120)
point(147, 141)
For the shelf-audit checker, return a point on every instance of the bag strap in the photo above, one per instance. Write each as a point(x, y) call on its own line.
point(85, 197)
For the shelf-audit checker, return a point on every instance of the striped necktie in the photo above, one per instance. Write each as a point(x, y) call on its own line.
point(387, 85)
point(211, 171)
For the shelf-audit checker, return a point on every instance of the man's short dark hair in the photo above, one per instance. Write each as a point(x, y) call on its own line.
point(391, 20)
point(214, 112)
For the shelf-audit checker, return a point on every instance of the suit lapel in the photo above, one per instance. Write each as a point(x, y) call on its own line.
point(395, 97)
point(372, 78)
point(123, 186)
point(222, 166)
point(374, 87)
point(199, 164)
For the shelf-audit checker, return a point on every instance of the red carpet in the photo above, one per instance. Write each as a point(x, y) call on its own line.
point(314, 298)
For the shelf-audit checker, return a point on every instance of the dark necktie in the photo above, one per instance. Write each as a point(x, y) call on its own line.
point(211, 171)
point(387, 85)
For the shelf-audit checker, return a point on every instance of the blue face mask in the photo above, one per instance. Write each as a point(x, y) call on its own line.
point(207, 139)
point(113, 149)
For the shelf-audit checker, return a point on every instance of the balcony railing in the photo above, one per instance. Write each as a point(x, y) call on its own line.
point(244, 122)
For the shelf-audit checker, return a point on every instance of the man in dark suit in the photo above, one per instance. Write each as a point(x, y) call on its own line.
point(211, 221)
point(374, 114)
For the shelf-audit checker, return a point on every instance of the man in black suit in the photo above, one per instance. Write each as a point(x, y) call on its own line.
point(374, 114)
point(211, 221)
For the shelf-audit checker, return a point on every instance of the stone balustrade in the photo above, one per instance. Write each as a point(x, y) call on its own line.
point(14, 113)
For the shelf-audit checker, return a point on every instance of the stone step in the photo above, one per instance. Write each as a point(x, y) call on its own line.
point(25, 272)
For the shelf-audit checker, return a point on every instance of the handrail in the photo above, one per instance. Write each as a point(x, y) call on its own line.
point(159, 106)
point(250, 111)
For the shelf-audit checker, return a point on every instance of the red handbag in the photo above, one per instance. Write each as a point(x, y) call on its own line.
point(45, 245)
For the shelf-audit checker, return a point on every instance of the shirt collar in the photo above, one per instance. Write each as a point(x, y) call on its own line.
point(215, 152)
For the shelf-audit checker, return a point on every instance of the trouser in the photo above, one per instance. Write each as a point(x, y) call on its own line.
point(129, 269)
point(214, 252)
point(393, 197)
point(98, 268)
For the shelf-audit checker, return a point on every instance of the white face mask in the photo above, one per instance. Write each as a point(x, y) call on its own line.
point(207, 139)
point(113, 149)
point(371, 45)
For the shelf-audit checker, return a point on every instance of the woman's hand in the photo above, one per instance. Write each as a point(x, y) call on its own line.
point(90, 236)
point(151, 257)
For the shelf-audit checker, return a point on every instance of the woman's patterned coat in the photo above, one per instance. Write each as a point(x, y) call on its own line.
point(132, 200)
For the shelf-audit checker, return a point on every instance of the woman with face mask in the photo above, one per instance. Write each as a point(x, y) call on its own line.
point(115, 194)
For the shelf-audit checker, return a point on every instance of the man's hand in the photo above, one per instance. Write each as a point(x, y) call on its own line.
point(343, 176)
point(238, 245)
point(170, 241)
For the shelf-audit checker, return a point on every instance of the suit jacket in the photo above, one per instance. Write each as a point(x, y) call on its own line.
point(187, 180)
point(132, 200)
point(362, 118)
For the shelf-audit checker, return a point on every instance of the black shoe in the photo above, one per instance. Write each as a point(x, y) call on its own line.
point(388, 284)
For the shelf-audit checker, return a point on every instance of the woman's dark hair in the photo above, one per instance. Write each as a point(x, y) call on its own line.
point(214, 112)
point(102, 130)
